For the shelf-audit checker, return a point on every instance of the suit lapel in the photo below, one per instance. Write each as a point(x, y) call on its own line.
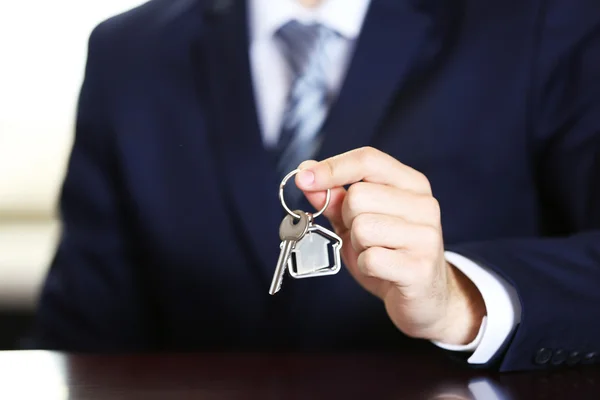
point(247, 175)
point(400, 42)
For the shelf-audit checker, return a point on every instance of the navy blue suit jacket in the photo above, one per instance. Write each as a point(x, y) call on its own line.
point(170, 204)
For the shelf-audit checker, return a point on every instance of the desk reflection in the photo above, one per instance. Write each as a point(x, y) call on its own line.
point(476, 389)
point(54, 376)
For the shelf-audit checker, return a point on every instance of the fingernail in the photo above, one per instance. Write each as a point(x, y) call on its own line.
point(306, 178)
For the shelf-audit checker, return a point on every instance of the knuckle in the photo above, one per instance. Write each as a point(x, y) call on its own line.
point(433, 207)
point(366, 154)
point(423, 181)
point(371, 261)
point(361, 228)
point(369, 149)
point(355, 195)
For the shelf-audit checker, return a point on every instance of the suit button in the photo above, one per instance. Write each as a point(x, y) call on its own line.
point(542, 356)
point(590, 358)
point(559, 357)
point(574, 358)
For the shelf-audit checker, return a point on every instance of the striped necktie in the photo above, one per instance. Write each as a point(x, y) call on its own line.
point(304, 47)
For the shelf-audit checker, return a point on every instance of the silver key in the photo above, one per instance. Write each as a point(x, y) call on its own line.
point(290, 233)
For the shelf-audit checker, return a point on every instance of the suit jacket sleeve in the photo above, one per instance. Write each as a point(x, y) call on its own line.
point(93, 295)
point(557, 276)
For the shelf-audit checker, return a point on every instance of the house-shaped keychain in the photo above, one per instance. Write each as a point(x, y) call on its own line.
point(316, 254)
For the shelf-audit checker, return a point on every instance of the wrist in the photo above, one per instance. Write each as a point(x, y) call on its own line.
point(465, 310)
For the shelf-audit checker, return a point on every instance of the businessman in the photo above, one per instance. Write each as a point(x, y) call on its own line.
point(460, 140)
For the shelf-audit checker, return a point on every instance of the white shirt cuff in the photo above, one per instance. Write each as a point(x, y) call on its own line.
point(503, 310)
point(469, 346)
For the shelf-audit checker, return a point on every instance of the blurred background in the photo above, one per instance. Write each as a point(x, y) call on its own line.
point(43, 46)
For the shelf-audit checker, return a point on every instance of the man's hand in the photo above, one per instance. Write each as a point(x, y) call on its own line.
point(393, 245)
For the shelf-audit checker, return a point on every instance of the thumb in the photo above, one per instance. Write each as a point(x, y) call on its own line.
point(317, 199)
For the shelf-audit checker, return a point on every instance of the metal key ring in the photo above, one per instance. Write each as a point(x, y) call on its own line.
point(282, 200)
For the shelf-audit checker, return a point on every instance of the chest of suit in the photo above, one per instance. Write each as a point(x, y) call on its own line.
point(202, 194)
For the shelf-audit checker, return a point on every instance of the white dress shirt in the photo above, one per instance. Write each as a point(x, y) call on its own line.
point(272, 81)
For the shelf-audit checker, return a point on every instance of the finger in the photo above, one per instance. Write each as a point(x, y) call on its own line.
point(317, 199)
point(385, 264)
point(364, 164)
point(377, 230)
point(334, 211)
point(371, 198)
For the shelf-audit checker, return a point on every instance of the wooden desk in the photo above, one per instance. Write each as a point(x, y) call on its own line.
point(49, 376)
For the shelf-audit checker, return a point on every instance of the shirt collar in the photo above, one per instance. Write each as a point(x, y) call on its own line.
point(344, 16)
